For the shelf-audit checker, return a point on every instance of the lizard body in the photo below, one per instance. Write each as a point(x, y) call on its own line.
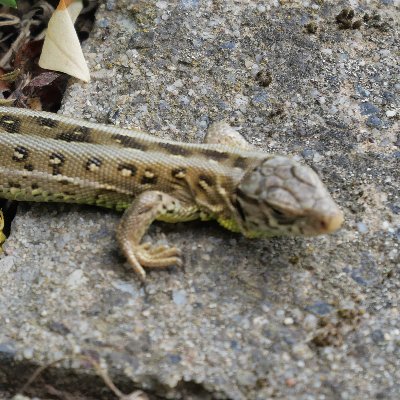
point(50, 158)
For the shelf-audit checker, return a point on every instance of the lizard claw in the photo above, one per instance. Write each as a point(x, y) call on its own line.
point(147, 256)
point(157, 256)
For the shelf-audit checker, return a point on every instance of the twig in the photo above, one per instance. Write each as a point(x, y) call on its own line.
point(136, 395)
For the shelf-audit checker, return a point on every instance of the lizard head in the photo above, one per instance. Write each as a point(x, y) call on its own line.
point(283, 197)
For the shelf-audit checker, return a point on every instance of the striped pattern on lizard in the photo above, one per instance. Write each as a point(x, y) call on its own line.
point(51, 158)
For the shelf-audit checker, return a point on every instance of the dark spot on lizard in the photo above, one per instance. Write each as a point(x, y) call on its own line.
point(43, 121)
point(28, 167)
point(93, 164)
point(15, 185)
point(215, 154)
point(10, 124)
point(20, 153)
point(205, 181)
point(127, 169)
point(56, 161)
point(149, 177)
point(130, 142)
point(240, 162)
point(175, 149)
point(178, 173)
point(77, 134)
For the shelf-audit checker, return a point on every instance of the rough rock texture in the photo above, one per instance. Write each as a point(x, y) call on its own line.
point(284, 318)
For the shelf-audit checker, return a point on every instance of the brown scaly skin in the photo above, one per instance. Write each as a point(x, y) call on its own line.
point(2, 236)
point(50, 158)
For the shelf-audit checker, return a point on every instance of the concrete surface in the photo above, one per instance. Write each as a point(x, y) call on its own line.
point(314, 318)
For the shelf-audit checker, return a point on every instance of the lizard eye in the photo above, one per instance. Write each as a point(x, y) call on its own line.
point(277, 212)
point(283, 218)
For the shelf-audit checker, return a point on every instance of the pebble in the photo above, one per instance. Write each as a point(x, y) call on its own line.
point(246, 378)
point(320, 307)
point(28, 353)
point(310, 322)
point(110, 4)
point(368, 108)
point(361, 227)
point(241, 102)
point(280, 313)
point(361, 91)
point(162, 5)
point(288, 321)
point(308, 154)
point(190, 3)
point(6, 265)
point(327, 51)
point(184, 100)
point(303, 350)
point(103, 23)
point(317, 157)
point(377, 336)
point(179, 297)
point(76, 279)
point(374, 122)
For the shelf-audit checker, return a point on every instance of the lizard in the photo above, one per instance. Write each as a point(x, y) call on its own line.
point(2, 235)
point(46, 157)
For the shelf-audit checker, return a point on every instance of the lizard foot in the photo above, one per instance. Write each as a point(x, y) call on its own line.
point(149, 256)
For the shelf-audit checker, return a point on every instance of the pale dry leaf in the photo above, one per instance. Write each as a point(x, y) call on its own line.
point(61, 49)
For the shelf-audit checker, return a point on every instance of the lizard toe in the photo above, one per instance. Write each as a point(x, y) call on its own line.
point(158, 257)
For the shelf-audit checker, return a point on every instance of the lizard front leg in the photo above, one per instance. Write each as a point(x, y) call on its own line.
point(146, 208)
point(222, 133)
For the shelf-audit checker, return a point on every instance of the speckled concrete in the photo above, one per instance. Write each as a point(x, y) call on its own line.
point(286, 318)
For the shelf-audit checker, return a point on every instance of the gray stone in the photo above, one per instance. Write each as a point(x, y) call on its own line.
point(368, 108)
point(285, 318)
point(374, 122)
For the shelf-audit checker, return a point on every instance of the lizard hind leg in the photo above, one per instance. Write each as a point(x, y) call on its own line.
point(146, 208)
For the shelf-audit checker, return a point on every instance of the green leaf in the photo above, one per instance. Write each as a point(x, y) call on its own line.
point(9, 3)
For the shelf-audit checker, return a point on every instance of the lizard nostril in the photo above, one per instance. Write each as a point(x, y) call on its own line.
point(331, 223)
point(323, 225)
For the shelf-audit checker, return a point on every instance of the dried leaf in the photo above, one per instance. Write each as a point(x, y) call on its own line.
point(34, 103)
point(26, 57)
point(62, 50)
point(43, 79)
point(9, 20)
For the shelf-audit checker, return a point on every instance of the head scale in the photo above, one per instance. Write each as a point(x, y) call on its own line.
point(283, 197)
